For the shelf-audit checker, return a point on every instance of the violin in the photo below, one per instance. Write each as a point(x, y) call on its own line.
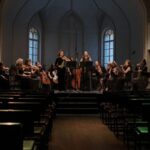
point(65, 58)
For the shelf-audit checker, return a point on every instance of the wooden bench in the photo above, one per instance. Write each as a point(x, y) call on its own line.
point(11, 137)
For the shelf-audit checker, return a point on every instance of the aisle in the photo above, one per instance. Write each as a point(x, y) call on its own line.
point(82, 133)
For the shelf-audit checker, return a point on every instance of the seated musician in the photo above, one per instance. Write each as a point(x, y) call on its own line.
point(28, 67)
point(12, 77)
point(85, 71)
point(38, 65)
point(141, 67)
point(127, 71)
point(32, 70)
point(61, 69)
point(20, 67)
point(111, 76)
point(21, 77)
point(140, 80)
point(4, 77)
point(100, 72)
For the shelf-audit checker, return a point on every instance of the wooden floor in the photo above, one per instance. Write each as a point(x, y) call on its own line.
point(82, 133)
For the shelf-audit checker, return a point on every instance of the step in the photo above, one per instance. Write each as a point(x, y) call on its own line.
point(77, 110)
point(76, 105)
point(77, 115)
point(76, 99)
point(72, 102)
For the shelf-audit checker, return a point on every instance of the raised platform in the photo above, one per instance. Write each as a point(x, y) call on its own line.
point(72, 102)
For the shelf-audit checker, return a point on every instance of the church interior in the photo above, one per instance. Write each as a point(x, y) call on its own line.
point(74, 74)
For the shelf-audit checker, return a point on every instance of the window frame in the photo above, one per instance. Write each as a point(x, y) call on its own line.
point(34, 40)
point(111, 47)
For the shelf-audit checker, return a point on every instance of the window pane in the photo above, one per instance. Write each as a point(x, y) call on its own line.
point(107, 38)
point(111, 52)
point(112, 44)
point(35, 36)
point(106, 60)
point(106, 53)
point(30, 57)
point(30, 35)
point(36, 44)
point(112, 36)
point(106, 45)
point(30, 51)
point(30, 43)
point(111, 58)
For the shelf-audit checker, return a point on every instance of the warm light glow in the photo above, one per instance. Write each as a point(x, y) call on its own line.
point(9, 123)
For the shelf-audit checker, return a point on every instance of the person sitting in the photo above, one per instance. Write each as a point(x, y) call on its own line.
point(140, 81)
point(127, 71)
point(4, 77)
point(22, 76)
point(100, 73)
point(141, 68)
point(111, 77)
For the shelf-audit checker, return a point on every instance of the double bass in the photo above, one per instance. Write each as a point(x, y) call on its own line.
point(76, 80)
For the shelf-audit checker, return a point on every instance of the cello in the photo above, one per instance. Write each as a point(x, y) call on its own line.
point(76, 78)
point(44, 78)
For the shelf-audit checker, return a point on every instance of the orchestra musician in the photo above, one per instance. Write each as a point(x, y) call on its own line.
point(85, 71)
point(100, 73)
point(141, 67)
point(19, 66)
point(85, 57)
point(25, 72)
point(127, 72)
point(31, 70)
point(140, 81)
point(61, 69)
point(111, 76)
point(4, 77)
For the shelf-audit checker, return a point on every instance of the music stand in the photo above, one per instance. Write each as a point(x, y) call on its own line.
point(87, 64)
point(71, 64)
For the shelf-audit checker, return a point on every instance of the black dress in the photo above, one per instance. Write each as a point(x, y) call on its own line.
point(61, 73)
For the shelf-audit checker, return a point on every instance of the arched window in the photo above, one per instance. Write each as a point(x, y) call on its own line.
point(33, 45)
point(108, 46)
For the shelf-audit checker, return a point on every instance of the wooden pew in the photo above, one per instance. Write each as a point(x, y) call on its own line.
point(25, 117)
point(11, 137)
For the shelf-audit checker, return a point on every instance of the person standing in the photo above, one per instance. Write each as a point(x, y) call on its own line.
point(85, 64)
point(61, 69)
